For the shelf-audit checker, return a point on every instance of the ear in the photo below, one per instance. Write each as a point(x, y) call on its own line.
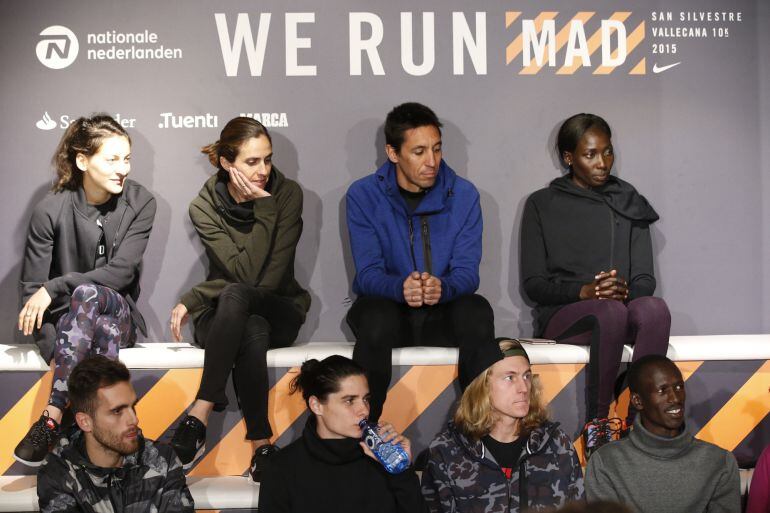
point(567, 157)
point(392, 153)
point(315, 405)
point(636, 401)
point(81, 161)
point(84, 421)
point(226, 164)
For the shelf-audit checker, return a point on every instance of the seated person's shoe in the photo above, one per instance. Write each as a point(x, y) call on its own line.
point(599, 432)
point(259, 460)
point(38, 441)
point(189, 441)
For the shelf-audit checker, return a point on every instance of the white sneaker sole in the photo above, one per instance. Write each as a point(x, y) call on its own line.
point(33, 464)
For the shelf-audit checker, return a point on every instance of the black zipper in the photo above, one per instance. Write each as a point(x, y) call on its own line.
point(612, 240)
point(426, 245)
point(411, 243)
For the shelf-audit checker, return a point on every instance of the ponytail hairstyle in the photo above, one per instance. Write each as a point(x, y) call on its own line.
point(84, 135)
point(323, 378)
point(234, 134)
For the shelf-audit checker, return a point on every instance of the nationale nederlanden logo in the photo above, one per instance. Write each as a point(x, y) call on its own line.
point(58, 47)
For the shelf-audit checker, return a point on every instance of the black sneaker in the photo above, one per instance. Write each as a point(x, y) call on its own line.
point(599, 432)
point(259, 460)
point(38, 441)
point(189, 441)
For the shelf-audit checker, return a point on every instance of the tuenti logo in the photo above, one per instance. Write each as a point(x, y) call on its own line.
point(58, 47)
point(171, 120)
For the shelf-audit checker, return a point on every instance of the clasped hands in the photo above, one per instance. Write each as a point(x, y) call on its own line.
point(606, 285)
point(421, 289)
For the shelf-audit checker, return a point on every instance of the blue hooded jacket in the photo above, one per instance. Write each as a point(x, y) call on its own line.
point(441, 237)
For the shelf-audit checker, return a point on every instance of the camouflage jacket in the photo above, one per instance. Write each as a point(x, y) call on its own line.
point(150, 480)
point(462, 475)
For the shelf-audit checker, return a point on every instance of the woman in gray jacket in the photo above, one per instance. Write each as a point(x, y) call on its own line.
point(82, 262)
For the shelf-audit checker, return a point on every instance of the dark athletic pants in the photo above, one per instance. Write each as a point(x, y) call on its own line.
point(381, 324)
point(236, 335)
point(606, 325)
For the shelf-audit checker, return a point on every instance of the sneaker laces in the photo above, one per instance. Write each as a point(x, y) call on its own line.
point(186, 432)
point(43, 432)
point(602, 431)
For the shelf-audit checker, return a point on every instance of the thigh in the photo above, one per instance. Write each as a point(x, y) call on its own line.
point(284, 317)
point(573, 323)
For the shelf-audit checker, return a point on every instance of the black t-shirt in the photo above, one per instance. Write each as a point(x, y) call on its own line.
point(412, 199)
point(100, 214)
point(506, 454)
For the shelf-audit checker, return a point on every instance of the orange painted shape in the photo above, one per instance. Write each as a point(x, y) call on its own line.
point(632, 41)
point(554, 377)
point(16, 422)
point(561, 40)
point(414, 392)
point(594, 42)
point(619, 408)
point(516, 46)
point(167, 400)
point(640, 69)
point(232, 454)
point(742, 413)
point(510, 17)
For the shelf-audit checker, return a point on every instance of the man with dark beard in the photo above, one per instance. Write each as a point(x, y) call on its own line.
point(105, 465)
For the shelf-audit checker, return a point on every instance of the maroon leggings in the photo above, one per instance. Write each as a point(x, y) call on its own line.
point(605, 325)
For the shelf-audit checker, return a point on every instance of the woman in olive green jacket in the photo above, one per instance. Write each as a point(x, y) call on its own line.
point(249, 218)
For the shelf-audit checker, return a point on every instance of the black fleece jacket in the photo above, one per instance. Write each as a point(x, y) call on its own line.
point(569, 234)
point(334, 476)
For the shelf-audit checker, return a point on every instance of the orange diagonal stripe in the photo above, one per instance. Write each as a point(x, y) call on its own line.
point(554, 377)
point(232, 455)
point(640, 68)
point(632, 41)
point(742, 413)
point(510, 17)
point(561, 40)
point(593, 44)
point(414, 392)
point(167, 400)
point(16, 422)
point(514, 49)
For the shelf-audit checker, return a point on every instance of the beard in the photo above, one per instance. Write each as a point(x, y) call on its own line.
point(115, 441)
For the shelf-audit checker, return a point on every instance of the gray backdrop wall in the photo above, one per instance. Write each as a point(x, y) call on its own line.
point(694, 138)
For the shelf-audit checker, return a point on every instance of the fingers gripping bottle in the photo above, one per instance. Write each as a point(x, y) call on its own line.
point(393, 457)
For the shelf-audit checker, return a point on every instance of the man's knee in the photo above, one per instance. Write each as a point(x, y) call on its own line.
point(374, 315)
point(473, 307)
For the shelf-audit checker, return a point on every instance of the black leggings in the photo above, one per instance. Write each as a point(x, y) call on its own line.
point(381, 324)
point(236, 335)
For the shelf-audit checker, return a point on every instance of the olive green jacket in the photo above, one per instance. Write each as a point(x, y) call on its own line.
point(259, 254)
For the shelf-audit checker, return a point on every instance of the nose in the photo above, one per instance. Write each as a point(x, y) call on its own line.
point(603, 162)
point(133, 419)
point(431, 159)
point(124, 168)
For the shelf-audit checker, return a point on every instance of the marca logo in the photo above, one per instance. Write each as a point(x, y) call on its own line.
point(58, 47)
point(269, 119)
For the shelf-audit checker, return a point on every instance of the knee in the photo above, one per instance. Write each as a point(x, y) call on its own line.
point(473, 306)
point(84, 294)
point(374, 315)
point(256, 335)
point(234, 293)
point(610, 311)
point(649, 309)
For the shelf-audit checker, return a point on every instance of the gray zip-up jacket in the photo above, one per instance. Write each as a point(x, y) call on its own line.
point(61, 252)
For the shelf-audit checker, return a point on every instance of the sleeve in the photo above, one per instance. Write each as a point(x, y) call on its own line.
point(759, 494)
point(727, 494)
point(176, 497)
point(274, 494)
point(406, 491)
point(436, 487)
point(239, 264)
point(463, 277)
point(576, 486)
point(56, 488)
point(125, 263)
point(38, 253)
point(372, 278)
point(285, 238)
point(641, 282)
point(535, 279)
point(598, 483)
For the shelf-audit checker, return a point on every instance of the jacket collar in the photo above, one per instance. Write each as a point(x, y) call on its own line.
point(72, 448)
point(333, 452)
point(537, 440)
point(111, 227)
point(619, 195)
point(208, 192)
point(658, 446)
point(435, 199)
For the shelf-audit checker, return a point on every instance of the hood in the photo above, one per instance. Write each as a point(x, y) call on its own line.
point(332, 452)
point(619, 195)
point(537, 440)
point(434, 199)
point(72, 448)
point(209, 194)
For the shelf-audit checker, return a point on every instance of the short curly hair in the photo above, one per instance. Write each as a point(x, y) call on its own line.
point(89, 376)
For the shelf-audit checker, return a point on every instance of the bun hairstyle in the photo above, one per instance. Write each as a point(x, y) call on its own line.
point(233, 135)
point(84, 135)
point(573, 129)
point(323, 378)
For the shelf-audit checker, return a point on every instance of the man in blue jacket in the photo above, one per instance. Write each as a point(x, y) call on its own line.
point(415, 233)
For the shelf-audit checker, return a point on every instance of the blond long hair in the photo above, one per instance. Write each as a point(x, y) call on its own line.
point(475, 416)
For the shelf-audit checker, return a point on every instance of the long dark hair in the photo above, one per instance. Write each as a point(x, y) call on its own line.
point(84, 135)
point(323, 378)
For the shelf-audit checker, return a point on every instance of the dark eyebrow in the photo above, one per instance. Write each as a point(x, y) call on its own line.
point(346, 397)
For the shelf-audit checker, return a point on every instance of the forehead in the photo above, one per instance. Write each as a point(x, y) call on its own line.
point(112, 396)
point(427, 135)
point(255, 146)
point(116, 144)
point(516, 364)
point(659, 374)
point(594, 138)
point(353, 385)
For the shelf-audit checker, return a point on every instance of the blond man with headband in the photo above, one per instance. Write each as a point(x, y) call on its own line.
point(500, 452)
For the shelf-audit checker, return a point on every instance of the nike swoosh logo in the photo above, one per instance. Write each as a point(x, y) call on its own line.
point(661, 69)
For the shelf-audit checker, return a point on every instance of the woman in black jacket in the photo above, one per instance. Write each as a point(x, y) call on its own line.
point(328, 469)
point(82, 263)
point(586, 261)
